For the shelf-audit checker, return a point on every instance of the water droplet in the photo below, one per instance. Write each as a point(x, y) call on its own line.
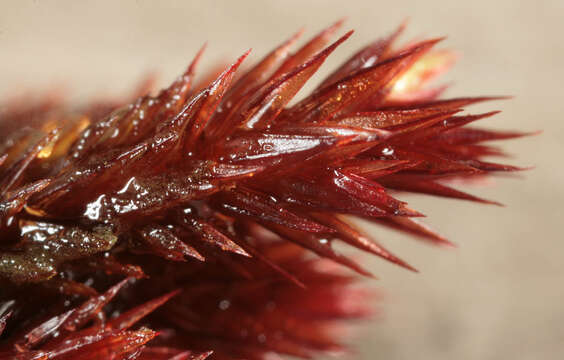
point(224, 304)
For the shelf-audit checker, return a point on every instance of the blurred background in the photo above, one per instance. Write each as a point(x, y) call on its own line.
point(500, 295)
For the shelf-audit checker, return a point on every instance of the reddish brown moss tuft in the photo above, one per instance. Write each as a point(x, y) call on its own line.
point(206, 201)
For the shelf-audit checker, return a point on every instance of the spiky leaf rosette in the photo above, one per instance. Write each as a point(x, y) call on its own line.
point(211, 195)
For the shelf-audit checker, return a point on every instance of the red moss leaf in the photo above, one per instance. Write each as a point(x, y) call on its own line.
point(202, 109)
point(464, 136)
point(310, 48)
point(91, 307)
point(355, 88)
point(14, 201)
point(492, 167)
point(424, 161)
point(206, 232)
point(269, 103)
point(70, 287)
point(430, 188)
point(387, 118)
point(452, 123)
point(365, 57)
point(372, 193)
point(259, 73)
point(455, 103)
point(262, 107)
point(103, 345)
point(320, 246)
point(165, 243)
point(263, 208)
point(271, 264)
point(43, 331)
point(131, 317)
point(111, 266)
point(179, 90)
point(13, 174)
point(372, 169)
point(352, 236)
point(416, 228)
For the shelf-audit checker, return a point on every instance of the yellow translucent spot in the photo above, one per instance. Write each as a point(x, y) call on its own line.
point(82, 124)
point(69, 136)
point(46, 151)
point(425, 69)
point(401, 84)
point(34, 212)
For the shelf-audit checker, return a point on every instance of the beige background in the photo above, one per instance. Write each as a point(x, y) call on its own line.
point(501, 294)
